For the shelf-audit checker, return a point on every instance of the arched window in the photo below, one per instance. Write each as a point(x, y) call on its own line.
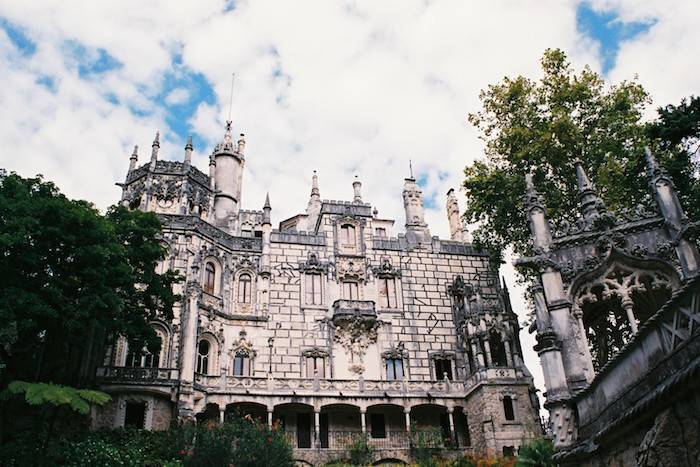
point(387, 292)
point(143, 358)
point(508, 409)
point(244, 288)
point(209, 278)
point(351, 291)
point(347, 234)
point(203, 350)
point(498, 349)
point(241, 364)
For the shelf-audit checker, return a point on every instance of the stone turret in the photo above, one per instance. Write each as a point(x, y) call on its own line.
point(229, 178)
point(188, 152)
point(313, 209)
point(416, 228)
point(588, 199)
point(155, 148)
point(134, 158)
point(357, 190)
point(457, 231)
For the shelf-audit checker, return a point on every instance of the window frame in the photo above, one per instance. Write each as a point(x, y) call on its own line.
point(247, 288)
point(313, 288)
point(391, 362)
point(203, 360)
point(387, 293)
point(245, 365)
point(209, 282)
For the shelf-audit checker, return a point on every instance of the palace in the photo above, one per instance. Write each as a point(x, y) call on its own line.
point(335, 325)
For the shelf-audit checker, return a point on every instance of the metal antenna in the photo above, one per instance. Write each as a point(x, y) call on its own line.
point(230, 99)
point(410, 167)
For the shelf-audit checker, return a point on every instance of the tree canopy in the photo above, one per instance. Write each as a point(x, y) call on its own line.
point(543, 126)
point(72, 280)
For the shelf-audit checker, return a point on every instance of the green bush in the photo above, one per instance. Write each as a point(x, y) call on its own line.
point(537, 453)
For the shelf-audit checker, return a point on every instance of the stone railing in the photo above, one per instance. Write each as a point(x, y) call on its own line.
point(117, 374)
point(347, 309)
point(357, 387)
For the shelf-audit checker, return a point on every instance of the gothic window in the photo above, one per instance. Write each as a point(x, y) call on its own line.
point(312, 289)
point(315, 365)
point(394, 368)
point(498, 349)
point(380, 232)
point(387, 292)
point(209, 278)
point(443, 368)
point(241, 364)
point(203, 356)
point(347, 235)
point(351, 290)
point(508, 409)
point(244, 288)
point(143, 358)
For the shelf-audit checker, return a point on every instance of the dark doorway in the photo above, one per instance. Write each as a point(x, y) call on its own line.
point(304, 430)
point(445, 425)
point(323, 428)
point(135, 414)
point(378, 425)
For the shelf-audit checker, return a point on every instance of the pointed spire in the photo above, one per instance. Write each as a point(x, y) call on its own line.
point(653, 167)
point(134, 158)
point(266, 210)
point(155, 147)
point(314, 185)
point(410, 169)
point(241, 144)
point(588, 199)
point(536, 213)
point(357, 186)
point(188, 151)
point(453, 217)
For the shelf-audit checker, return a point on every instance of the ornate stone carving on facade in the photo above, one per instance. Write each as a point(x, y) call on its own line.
point(166, 190)
point(314, 352)
point(355, 334)
point(313, 265)
point(135, 194)
point(246, 262)
point(243, 346)
point(350, 269)
point(386, 269)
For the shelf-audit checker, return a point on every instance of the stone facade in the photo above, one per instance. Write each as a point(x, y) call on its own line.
point(617, 304)
point(330, 324)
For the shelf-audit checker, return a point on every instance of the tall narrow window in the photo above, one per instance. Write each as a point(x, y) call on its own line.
point(508, 409)
point(315, 366)
point(387, 292)
point(394, 368)
point(241, 364)
point(244, 286)
point(209, 278)
point(350, 291)
point(203, 350)
point(312, 288)
point(443, 368)
point(347, 234)
point(380, 232)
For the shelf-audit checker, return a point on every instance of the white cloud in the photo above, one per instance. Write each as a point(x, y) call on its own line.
point(344, 88)
point(177, 96)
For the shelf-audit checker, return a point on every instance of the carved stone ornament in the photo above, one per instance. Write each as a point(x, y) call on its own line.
point(313, 265)
point(314, 352)
point(350, 269)
point(386, 269)
point(459, 288)
point(209, 327)
point(136, 191)
point(166, 190)
point(242, 346)
point(355, 335)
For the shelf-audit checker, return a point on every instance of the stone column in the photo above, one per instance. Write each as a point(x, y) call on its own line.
point(363, 422)
point(317, 427)
point(487, 350)
point(222, 415)
point(628, 306)
point(450, 416)
point(269, 418)
point(407, 415)
point(188, 346)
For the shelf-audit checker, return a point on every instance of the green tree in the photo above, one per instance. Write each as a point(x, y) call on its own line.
point(676, 132)
point(537, 453)
point(72, 280)
point(544, 126)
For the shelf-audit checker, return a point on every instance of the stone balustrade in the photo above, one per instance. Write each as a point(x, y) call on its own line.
point(348, 309)
point(115, 374)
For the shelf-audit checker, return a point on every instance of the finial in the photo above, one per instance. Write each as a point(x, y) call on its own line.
point(357, 185)
point(410, 168)
point(154, 148)
point(652, 164)
point(267, 201)
point(241, 144)
point(188, 151)
point(135, 153)
point(584, 183)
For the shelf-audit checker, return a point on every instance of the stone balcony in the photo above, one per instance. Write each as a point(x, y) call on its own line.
point(344, 310)
point(136, 375)
point(317, 387)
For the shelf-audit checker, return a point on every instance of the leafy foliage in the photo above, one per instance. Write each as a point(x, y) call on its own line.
point(56, 395)
point(537, 453)
point(72, 280)
point(544, 127)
